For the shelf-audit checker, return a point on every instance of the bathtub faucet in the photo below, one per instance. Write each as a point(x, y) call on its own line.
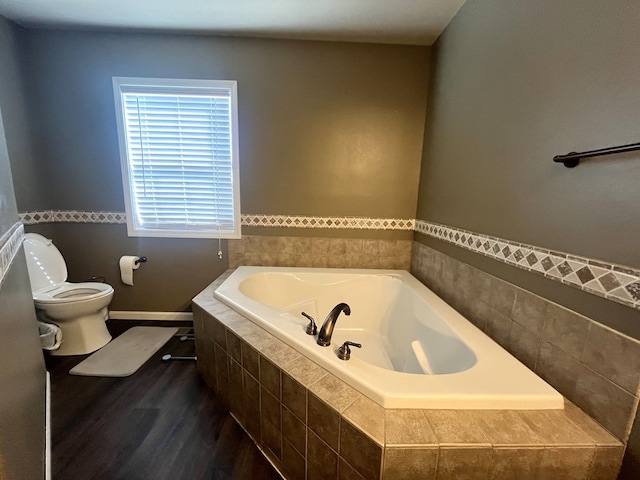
point(324, 337)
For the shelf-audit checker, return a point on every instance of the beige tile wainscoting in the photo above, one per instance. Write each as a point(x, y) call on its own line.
point(312, 425)
point(319, 252)
point(595, 367)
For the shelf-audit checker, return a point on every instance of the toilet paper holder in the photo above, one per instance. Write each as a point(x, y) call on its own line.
point(141, 260)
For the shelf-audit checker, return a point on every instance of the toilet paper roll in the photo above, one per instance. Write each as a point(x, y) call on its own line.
point(127, 266)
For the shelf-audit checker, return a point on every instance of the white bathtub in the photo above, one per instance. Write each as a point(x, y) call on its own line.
point(417, 351)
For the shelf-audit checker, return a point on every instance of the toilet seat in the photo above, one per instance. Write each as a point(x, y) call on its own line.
point(66, 292)
point(78, 309)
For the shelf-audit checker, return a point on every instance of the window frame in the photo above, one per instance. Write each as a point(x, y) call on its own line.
point(175, 86)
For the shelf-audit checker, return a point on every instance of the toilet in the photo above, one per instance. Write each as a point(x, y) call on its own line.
point(79, 309)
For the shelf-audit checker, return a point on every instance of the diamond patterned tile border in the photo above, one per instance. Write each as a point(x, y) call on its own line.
point(248, 220)
point(614, 282)
point(352, 223)
point(72, 216)
point(10, 243)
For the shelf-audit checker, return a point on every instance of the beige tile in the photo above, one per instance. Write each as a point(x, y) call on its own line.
point(553, 428)
point(368, 416)
point(275, 350)
point(222, 361)
point(294, 431)
point(324, 421)
point(610, 405)
point(334, 392)
point(530, 311)
point(304, 371)
point(251, 391)
point(230, 316)
point(464, 463)
point(270, 377)
point(393, 263)
point(293, 463)
point(558, 368)
point(353, 246)
point(294, 396)
point(371, 247)
point(359, 451)
point(524, 345)
point(322, 461)
point(272, 438)
point(236, 397)
point(236, 245)
point(252, 244)
point(498, 327)
point(358, 260)
point(394, 248)
point(303, 260)
point(286, 260)
point(516, 463)
point(478, 312)
point(206, 362)
point(598, 434)
point(614, 356)
point(347, 472)
point(286, 245)
point(320, 261)
point(408, 427)
point(303, 246)
point(251, 360)
point(337, 246)
point(502, 296)
point(410, 463)
point(453, 428)
point(321, 247)
point(502, 427)
point(270, 408)
point(338, 261)
point(606, 463)
point(216, 332)
point(566, 463)
point(234, 346)
point(244, 328)
point(566, 330)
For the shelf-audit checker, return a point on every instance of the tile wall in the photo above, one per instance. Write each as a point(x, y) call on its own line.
point(312, 425)
point(595, 367)
point(319, 252)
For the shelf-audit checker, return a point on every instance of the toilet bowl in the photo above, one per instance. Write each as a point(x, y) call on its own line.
point(79, 309)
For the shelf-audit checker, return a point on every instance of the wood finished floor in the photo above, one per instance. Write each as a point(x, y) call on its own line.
point(160, 423)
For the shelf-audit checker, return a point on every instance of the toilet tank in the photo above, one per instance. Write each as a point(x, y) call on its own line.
point(44, 261)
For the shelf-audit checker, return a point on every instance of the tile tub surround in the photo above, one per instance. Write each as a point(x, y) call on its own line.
point(595, 367)
point(617, 283)
point(258, 250)
point(310, 424)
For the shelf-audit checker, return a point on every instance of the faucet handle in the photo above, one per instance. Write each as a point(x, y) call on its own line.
point(312, 328)
point(344, 352)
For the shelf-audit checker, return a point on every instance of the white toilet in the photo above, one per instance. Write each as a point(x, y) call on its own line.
point(79, 309)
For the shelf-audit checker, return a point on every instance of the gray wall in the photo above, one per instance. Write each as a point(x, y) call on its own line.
point(22, 373)
point(517, 82)
point(30, 183)
point(514, 83)
point(331, 129)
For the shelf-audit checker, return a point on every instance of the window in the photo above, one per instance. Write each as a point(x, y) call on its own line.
point(179, 155)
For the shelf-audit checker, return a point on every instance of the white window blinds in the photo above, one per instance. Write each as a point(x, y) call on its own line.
point(180, 152)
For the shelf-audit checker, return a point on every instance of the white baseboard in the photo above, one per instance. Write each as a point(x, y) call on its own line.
point(139, 315)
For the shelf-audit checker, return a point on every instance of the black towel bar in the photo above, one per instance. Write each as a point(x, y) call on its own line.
point(572, 159)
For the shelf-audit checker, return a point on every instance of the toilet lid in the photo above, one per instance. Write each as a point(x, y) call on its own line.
point(44, 261)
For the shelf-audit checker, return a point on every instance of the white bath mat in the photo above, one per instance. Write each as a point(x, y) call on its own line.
point(127, 353)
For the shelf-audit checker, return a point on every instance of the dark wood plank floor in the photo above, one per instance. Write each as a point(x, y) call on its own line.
point(160, 423)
